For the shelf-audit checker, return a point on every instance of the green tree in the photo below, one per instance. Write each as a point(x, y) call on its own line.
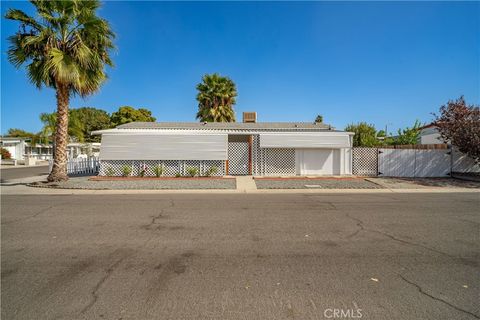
point(92, 119)
point(75, 127)
point(319, 119)
point(128, 114)
point(216, 98)
point(20, 133)
point(409, 135)
point(365, 134)
point(66, 47)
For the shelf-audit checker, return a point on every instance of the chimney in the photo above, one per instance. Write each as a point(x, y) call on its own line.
point(249, 117)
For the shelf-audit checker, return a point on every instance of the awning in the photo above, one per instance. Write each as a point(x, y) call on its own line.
point(305, 140)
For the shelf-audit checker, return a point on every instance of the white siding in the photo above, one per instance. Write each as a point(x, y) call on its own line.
point(163, 147)
point(305, 140)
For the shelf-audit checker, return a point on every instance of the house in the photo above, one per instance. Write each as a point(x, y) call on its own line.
point(21, 148)
point(245, 148)
point(429, 134)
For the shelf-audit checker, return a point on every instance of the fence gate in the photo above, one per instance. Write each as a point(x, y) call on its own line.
point(238, 155)
point(365, 161)
point(414, 163)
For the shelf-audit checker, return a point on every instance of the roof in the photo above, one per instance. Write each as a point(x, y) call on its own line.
point(226, 125)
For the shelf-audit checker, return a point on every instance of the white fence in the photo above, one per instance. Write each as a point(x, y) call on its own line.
point(80, 166)
point(414, 163)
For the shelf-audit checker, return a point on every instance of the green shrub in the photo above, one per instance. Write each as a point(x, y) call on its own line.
point(192, 171)
point(178, 175)
point(5, 153)
point(110, 172)
point(211, 171)
point(126, 170)
point(158, 171)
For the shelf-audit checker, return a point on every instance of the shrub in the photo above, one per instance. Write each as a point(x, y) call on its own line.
point(211, 171)
point(110, 172)
point(126, 171)
point(5, 153)
point(178, 175)
point(158, 170)
point(142, 171)
point(192, 171)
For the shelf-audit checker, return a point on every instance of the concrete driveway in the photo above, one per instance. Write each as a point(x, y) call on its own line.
point(240, 256)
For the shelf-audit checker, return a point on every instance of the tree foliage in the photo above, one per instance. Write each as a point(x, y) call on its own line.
point(459, 123)
point(409, 135)
point(65, 47)
point(33, 138)
point(216, 98)
point(5, 154)
point(128, 114)
point(365, 134)
point(76, 127)
point(319, 119)
point(92, 119)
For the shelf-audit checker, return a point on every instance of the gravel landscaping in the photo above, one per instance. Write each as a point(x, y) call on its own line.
point(421, 183)
point(85, 183)
point(315, 184)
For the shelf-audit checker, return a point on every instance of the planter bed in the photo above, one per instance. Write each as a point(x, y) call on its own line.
point(141, 184)
point(105, 178)
point(315, 183)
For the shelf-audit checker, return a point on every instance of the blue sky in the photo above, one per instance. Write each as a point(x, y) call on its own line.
point(387, 63)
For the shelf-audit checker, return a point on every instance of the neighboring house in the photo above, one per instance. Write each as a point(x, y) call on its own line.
point(429, 134)
point(21, 148)
point(246, 148)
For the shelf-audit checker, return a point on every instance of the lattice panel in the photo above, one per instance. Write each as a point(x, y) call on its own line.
point(238, 158)
point(365, 161)
point(279, 162)
point(170, 167)
point(256, 156)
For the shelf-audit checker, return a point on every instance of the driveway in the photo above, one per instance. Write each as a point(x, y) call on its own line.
point(240, 256)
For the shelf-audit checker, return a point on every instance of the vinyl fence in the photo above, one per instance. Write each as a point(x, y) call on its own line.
point(80, 166)
point(401, 162)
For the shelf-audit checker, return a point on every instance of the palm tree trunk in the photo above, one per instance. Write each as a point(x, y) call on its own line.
point(59, 169)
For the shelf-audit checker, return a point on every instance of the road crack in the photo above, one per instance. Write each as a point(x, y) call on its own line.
point(423, 292)
point(99, 284)
point(153, 222)
point(29, 217)
point(361, 227)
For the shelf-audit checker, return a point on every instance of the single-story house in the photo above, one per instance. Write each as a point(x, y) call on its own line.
point(429, 134)
point(235, 148)
point(21, 148)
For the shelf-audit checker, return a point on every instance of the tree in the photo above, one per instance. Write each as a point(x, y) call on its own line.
point(128, 114)
point(319, 119)
point(365, 134)
point(20, 133)
point(92, 119)
point(5, 154)
point(66, 47)
point(459, 123)
point(75, 130)
point(216, 98)
point(407, 135)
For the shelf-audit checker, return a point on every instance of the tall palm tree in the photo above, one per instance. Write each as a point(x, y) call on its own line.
point(66, 47)
point(216, 98)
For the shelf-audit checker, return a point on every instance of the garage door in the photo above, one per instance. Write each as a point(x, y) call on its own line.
point(318, 161)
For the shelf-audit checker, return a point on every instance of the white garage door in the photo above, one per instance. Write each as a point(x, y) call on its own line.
point(318, 161)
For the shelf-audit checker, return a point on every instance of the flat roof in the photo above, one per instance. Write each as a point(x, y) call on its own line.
point(226, 125)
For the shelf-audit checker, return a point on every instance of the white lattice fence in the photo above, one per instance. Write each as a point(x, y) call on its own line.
point(279, 162)
point(170, 168)
point(238, 158)
point(365, 161)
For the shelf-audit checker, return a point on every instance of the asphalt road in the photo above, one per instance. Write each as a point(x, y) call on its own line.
point(24, 172)
point(286, 256)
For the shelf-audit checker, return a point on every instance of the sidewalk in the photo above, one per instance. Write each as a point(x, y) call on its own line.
point(245, 184)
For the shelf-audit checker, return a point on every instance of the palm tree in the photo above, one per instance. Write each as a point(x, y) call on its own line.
point(65, 48)
point(216, 98)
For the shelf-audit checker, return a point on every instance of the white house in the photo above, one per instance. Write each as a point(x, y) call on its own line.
point(245, 148)
point(429, 134)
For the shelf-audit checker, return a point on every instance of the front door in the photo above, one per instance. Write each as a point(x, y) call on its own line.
point(238, 155)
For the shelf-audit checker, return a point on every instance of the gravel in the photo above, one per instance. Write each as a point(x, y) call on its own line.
point(84, 183)
point(421, 183)
point(316, 184)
